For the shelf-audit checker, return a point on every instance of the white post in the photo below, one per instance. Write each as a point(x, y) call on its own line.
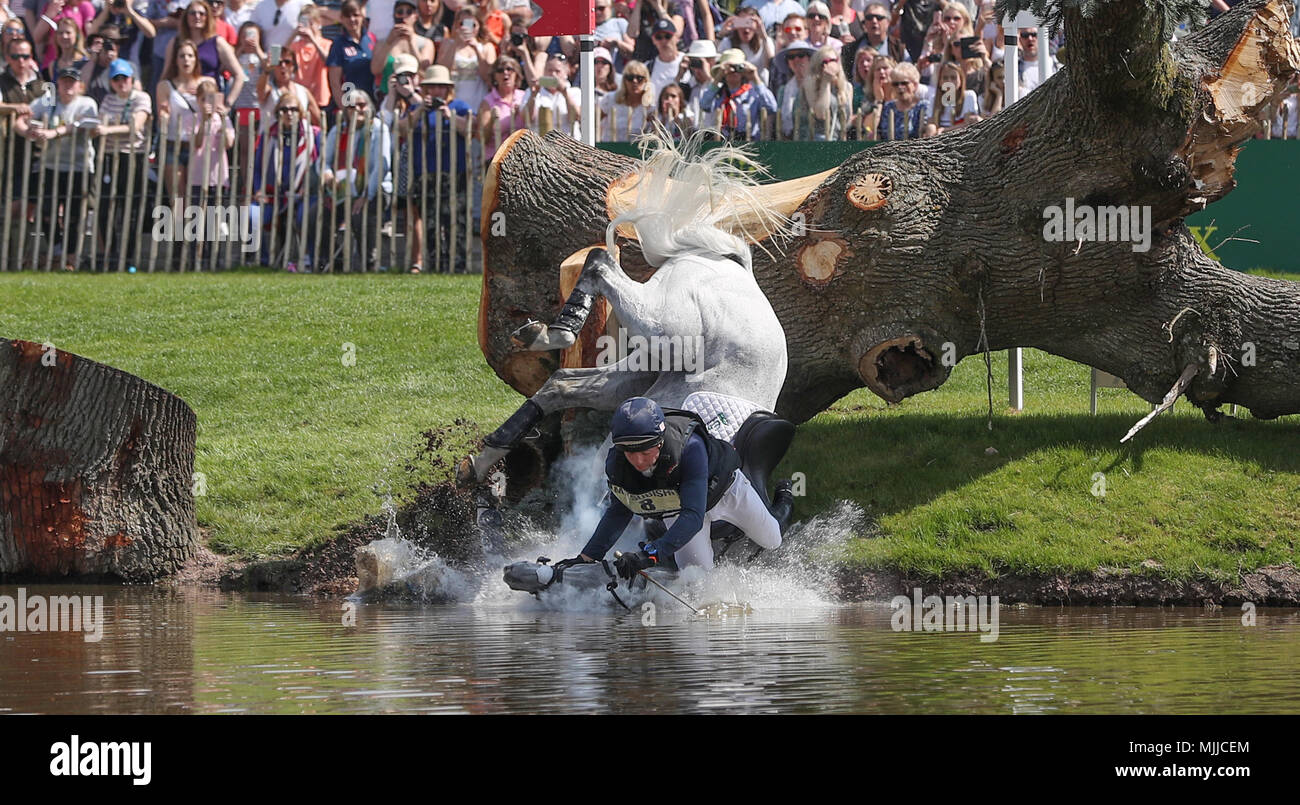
point(1011, 60)
point(587, 73)
point(1044, 53)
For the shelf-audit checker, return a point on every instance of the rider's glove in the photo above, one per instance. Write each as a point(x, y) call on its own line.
point(629, 564)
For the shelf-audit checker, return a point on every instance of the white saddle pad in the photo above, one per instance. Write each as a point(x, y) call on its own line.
point(722, 415)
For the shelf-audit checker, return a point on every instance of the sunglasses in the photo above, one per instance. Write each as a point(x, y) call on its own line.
point(901, 83)
point(955, 18)
point(504, 70)
point(875, 17)
point(1028, 34)
point(635, 79)
point(794, 29)
point(197, 12)
point(804, 55)
point(20, 56)
point(289, 63)
point(663, 37)
point(284, 109)
point(818, 17)
point(829, 61)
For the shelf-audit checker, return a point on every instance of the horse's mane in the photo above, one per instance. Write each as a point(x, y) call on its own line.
point(690, 201)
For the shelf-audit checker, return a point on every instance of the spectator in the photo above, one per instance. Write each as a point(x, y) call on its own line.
point(773, 12)
point(611, 32)
point(103, 50)
point(906, 116)
point(20, 85)
point(469, 58)
point(794, 29)
point(238, 12)
point(45, 33)
point(402, 110)
point(178, 115)
point(606, 78)
point(628, 112)
point(700, 59)
point(433, 19)
point(1028, 66)
point(672, 112)
point(825, 98)
point(986, 25)
point(71, 48)
point(401, 39)
point(741, 97)
point(442, 109)
point(744, 31)
point(875, 33)
point(819, 27)
point(642, 26)
point(553, 98)
point(529, 52)
point(361, 137)
point(494, 21)
point(974, 69)
point(915, 22)
point(697, 22)
point(128, 18)
point(288, 149)
point(67, 159)
point(7, 14)
point(224, 29)
point(954, 23)
point(954, 105)
point(870, 91)
point(282, 79)
point(667, 66)
point(13, 29)
point(278, 19)
point(502, 111)
point(247, 107)
point(312, 52)
point(213, 138)
point(350, 55)
point(198, 26)
point(793, 61)
point(124, 127)
point(846, 23)
point(165, 16)
point(995, 92)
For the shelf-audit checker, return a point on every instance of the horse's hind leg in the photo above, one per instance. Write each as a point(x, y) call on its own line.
point(602, 387)
point(601, 274)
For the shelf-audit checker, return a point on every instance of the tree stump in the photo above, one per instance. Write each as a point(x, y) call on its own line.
point(96, 468)
point(917, 253)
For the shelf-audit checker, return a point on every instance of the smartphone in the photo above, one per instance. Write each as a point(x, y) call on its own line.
point(549, 82)
point(968, 47)
point(467, 26)
point(275, 54)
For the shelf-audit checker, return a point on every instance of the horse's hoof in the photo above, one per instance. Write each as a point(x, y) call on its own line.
point(529, 334)
point(465, 475)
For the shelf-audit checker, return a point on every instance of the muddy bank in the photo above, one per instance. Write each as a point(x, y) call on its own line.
point(1276, 585)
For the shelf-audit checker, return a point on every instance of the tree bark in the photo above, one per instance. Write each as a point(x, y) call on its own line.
point(96, 469)
point(914, 250)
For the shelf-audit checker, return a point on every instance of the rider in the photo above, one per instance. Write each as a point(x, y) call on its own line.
point(666, 464)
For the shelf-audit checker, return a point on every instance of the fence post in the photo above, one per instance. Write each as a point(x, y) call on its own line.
point(90, 184)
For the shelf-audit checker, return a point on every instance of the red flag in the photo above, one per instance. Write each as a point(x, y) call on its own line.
point(564, 18)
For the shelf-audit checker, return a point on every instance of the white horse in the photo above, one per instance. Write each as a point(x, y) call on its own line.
point(688, 218)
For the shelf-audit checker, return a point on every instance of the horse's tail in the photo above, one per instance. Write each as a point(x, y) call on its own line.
point(691, 200)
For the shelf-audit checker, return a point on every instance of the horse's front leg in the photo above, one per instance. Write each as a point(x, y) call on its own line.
point(601, 387)
point(601, 275)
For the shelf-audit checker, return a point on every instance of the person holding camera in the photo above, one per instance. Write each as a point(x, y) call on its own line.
point(131, 25)
point(700, 59)
point(741, 98)
point(469, 58)
point(744, 31)
point(401, 40)
point(312, 50)
point(449, 120)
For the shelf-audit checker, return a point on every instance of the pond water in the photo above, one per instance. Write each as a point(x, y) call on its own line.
point(191, 650)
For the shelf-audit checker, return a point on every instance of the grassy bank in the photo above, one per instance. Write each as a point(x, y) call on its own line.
point(293, 441)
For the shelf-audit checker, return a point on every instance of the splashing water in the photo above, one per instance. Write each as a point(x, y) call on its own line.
point(799, 575)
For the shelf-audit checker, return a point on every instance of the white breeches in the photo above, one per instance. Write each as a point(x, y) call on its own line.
point(742, 507)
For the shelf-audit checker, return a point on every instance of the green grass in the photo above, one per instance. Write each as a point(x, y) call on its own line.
point(295, 443)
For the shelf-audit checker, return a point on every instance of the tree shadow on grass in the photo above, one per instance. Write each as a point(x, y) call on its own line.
point(893, 463)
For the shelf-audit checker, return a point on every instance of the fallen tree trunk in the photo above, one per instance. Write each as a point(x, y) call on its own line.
point(914, 250)
point(96, 469)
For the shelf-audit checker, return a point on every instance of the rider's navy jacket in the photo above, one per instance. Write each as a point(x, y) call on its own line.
point(694, 470)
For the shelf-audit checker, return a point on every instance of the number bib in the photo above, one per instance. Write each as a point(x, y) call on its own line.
point(652, 503)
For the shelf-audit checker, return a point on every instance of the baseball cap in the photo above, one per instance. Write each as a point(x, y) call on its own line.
point(602, 53)
point(70, 72)
point(120, 67)
point(405, 63)
point(663, 25)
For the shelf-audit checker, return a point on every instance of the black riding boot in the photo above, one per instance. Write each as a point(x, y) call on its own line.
point(578, 306)
point(783, 504)
point(516, 427)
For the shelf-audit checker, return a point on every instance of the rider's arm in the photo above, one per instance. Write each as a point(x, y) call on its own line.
point(608, 530)
point(694, 496)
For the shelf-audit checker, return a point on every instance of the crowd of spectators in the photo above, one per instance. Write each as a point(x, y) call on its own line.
point(319, 99)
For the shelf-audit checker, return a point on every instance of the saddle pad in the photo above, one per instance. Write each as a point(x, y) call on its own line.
point(722, 415)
